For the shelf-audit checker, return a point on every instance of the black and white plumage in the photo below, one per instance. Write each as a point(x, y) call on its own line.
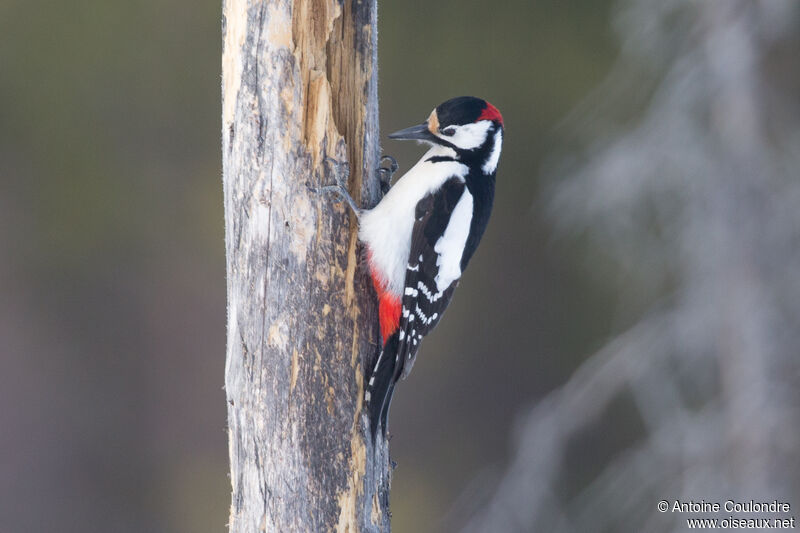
point(423, 232)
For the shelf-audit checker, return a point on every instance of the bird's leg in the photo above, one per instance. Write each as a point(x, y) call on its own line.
point(341, 172)
point(385, 174)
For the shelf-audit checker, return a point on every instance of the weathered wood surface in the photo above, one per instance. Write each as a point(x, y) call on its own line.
point(299, 84)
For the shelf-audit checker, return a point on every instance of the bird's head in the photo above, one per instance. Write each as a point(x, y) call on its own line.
point(471, 126)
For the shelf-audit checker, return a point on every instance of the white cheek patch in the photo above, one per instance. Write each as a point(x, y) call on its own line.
point(469, 136)
point(491, 164)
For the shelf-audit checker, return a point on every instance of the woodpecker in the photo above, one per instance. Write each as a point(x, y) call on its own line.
point(423, 232)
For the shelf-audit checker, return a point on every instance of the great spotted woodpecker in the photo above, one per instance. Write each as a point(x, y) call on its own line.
point(423, 232)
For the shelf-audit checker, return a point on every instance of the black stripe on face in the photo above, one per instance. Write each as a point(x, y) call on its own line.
point(440, 158)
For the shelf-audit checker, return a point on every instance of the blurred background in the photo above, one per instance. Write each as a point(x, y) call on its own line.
point(627, 332)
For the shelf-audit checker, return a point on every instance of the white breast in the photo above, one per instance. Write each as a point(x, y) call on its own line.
point(386, 229)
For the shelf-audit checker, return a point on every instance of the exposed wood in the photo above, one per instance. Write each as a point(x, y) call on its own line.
point(299, 85)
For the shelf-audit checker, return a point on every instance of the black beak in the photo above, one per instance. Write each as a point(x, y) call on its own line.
point(419, 132)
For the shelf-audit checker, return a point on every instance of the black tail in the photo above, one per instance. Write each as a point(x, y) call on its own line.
point(381, 386)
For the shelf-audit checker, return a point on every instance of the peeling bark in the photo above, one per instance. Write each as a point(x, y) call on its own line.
point(299, 85)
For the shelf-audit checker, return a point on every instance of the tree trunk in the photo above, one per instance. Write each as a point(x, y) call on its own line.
point(299, 85)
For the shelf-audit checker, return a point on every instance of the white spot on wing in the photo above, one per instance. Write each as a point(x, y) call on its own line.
point(422, 317)
point(427, 292)
point(450, 245)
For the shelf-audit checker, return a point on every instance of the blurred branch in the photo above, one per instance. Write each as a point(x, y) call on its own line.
point(695, 199)
point(299, 86)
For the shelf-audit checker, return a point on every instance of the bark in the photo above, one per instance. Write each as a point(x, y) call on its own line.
point(299, 84)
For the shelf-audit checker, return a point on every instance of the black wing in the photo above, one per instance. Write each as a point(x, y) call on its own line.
point(423, 303)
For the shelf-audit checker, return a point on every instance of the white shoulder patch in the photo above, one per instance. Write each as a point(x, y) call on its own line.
point(491, 163)
point(450, 246)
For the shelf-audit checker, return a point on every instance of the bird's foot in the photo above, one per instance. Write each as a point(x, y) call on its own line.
point(385, 173)
point(341, 172)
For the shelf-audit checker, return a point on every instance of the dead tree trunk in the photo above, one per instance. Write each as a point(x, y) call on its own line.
point(299, 85)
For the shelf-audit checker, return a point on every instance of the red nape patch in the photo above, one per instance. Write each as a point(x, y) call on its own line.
point(389, 313)
point(490, 112)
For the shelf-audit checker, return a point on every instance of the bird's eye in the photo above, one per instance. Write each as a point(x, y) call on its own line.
point(449, 131)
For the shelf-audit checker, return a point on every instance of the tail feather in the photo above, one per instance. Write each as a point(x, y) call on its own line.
point(386, 403)
point(381, 386)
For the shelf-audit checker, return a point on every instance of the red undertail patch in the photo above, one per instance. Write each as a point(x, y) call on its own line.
point(389, 305)
point(389, 313)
